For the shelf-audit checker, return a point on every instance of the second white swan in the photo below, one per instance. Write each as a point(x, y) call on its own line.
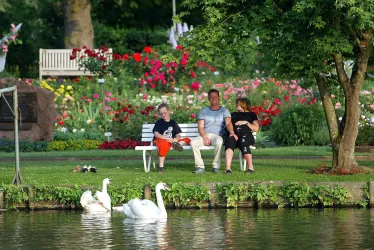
point(146, 209)
point(102, 202)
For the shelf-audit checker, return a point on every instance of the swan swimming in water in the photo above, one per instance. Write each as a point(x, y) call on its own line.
point(102, 202)
point(146, 209)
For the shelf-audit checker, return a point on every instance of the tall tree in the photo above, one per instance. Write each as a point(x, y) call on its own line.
point(78, 25)
point(304, 37)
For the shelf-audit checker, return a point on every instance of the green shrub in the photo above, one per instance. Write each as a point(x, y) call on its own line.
point(89, 135)
point(73, 145)
point(365, 135)
point(297, 125)
point(7, 145)
point(57, 146)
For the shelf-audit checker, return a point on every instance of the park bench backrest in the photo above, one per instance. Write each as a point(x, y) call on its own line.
point(189, 130)
point(56, 62)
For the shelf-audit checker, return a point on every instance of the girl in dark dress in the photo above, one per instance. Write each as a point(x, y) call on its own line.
point(244, 122)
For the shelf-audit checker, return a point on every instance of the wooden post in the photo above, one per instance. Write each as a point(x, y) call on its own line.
point(147, 192)
point(371, 194)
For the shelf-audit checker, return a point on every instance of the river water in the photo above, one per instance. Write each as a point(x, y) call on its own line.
point(191, 229)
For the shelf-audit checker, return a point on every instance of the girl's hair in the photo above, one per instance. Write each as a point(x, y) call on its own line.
point(163, 105)
point(244, 103)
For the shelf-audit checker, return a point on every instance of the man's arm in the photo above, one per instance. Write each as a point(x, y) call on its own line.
point(200, 126)
point(229, 125)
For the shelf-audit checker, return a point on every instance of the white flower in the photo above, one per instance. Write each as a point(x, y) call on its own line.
point(216, 73)
point(74, 130)
point(89, 121)
point(63, 129)
point(82, 130)
point(176, 89)
point(203, 73)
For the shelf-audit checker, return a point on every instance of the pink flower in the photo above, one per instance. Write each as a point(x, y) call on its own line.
point(338, 105)
point(88, 100)
point(277, 101)
point(96, 96)
point(108, 94)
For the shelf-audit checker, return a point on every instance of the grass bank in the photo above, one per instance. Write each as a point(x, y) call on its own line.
point(177, 169)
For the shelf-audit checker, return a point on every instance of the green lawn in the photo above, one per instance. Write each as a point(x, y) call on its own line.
point(177, 169)
point(278, 151)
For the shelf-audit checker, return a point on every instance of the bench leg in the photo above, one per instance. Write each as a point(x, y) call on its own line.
point(145, 160)
point(149, 161)
point(242, 162)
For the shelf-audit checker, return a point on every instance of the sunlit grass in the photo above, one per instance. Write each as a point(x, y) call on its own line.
point(176, 170)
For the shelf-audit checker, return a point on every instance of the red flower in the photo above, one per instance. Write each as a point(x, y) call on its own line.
point(195, 85)
point(60, 123)
point(131, 112)
point(76, 79)
point(125, 57)
point(103, 67)
point(137, 57)
point(125, 109)
point(193, 116)
point(147, 49)
point(193, 74)
point(265, 122)
point(287, 98)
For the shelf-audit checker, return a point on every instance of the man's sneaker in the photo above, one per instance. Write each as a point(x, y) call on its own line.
point(215, 170)
point(228, 171)
point(199, 171)
point(249, 171)
point(177, 146)
point(160, 170)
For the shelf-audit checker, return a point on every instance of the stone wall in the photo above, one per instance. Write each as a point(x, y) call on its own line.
point(37, 118)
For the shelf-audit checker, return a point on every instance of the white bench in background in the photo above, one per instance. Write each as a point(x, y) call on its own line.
point(189, 130)
point(56, 62)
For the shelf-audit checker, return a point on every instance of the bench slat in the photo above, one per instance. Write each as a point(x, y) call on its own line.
point(56, 62)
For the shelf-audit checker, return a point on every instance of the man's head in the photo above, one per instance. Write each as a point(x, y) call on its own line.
point(213, 96)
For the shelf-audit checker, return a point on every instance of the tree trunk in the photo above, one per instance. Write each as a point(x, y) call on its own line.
point(78, 26)
point(343, 133)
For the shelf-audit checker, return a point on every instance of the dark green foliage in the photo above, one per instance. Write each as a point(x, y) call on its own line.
point(365, 135)
point(124, 40)
point(299, 125)
point(7, 145)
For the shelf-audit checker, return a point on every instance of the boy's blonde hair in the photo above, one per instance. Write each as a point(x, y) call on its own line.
point(163, 105)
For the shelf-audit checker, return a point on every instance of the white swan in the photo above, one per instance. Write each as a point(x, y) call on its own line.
point(102, 202)
point(146, 209)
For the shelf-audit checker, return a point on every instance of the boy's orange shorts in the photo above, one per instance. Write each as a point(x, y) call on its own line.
point(164, 146)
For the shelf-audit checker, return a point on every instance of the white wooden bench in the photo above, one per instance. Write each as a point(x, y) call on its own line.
point(56, 62)
point(189, 130)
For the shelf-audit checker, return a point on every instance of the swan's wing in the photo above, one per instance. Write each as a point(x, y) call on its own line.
point(151, 205)
point(87, 199)
point(128, 212)
point(104, 199)
point(143, 209)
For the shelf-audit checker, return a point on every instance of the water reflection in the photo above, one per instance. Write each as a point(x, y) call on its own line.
point(147, 233)
point(191, 229)
point(97, 228)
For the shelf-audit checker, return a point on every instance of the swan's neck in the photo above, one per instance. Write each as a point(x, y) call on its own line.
point(160, 203)
point(104, 190)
